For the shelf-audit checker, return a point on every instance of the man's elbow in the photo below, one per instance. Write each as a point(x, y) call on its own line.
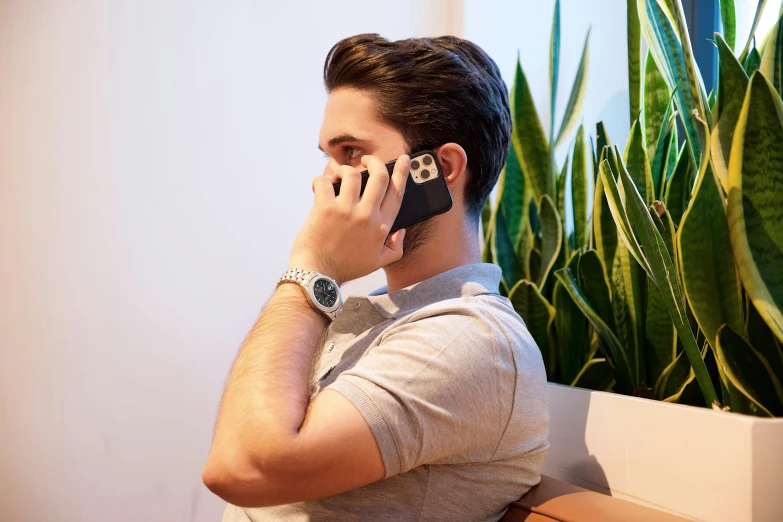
point(236, 481)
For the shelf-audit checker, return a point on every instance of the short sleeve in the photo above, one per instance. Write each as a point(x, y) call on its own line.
point(433, 391)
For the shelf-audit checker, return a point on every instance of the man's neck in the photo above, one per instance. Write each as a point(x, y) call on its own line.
point(443, 251)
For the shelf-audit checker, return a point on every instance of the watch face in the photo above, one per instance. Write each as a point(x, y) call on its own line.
point(325, 292)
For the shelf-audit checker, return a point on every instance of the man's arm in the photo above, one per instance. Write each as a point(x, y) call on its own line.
point(272, 445)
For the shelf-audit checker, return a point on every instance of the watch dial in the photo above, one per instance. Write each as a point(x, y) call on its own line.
point(325, 292)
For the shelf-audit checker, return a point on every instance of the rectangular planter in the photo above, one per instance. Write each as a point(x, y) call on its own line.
point(694, 462)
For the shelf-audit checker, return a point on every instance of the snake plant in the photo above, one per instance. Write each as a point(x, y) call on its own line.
point(655, 270)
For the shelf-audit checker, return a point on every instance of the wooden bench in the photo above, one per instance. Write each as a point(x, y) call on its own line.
point(556, 501)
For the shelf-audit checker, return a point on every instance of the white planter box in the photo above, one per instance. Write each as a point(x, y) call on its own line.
point(694, 462)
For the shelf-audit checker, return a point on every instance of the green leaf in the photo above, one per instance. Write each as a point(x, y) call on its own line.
point(660, 337)
point(577, 97)
point(528, 139)
point(673, 380)
point(579, 189)
point(772, 59)
point(728, 15)
point(752, 62)
point(678, 189)
point(749, 373)
point(732, 84)
point(634, 39)
point(554, 68)
point(602, 139)
point(709, 274)
point(503, 250)
point(595, 375)
point(594, 283)
point(538, 315)
point(551, 237)
point(604, 229)
point(755, 200)
point(571, 331)
point(513, 196)
point(656, 103)
point(670, 46)
point(628, 289)
point(637, 163)
point(561, 193)
point(763, 339)
point(668, 131)
point(612, 348)
point(756, 19)
point(658, 264)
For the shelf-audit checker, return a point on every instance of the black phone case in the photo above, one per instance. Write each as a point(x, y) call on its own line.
point(421, 201)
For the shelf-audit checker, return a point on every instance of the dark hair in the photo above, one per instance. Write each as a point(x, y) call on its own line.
point(433, 91)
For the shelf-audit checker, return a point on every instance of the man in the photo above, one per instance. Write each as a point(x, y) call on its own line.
point(425, 400)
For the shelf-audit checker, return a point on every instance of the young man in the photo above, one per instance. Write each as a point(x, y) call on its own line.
point(425, 400)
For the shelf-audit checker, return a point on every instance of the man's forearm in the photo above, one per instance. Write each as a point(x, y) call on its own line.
point(267, 393)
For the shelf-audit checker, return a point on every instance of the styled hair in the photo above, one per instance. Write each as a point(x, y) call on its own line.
point(433, 91)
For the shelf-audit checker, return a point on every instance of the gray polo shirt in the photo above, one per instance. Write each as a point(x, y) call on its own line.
point(452, 386)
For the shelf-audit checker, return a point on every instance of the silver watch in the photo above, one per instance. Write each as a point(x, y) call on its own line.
point(322, 291)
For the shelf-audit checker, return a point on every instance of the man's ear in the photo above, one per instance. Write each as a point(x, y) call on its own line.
point(453, 161)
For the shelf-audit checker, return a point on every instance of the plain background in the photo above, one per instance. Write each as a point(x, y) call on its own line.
point(155, 165)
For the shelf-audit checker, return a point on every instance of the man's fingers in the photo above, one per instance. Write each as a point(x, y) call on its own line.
point(323, 188)
point(377, 182)
point(350, 184)
point(392, 249)
point(392, 200)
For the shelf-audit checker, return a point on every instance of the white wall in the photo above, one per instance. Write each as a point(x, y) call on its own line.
point(155, 166)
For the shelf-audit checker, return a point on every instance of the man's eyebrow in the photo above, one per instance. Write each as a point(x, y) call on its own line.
point(340, 139)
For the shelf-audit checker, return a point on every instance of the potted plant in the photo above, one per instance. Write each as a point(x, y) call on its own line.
point(654, 274)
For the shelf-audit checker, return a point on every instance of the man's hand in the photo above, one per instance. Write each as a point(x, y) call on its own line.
point(345, 236)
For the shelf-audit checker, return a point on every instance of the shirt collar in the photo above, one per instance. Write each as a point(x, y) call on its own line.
point(465, 280)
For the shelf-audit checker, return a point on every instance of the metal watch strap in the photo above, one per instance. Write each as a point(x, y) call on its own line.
point(296, 275)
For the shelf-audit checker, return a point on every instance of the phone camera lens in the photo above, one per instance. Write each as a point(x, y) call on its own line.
point(427, 160)
point(415, 165)
point(424, 173)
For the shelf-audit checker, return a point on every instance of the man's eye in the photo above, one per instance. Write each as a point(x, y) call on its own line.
point(352, 152)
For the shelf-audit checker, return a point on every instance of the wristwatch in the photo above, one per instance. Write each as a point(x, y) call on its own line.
point(322, 291)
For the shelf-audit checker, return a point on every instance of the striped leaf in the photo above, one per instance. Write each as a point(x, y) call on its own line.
point(656, 102)
point(709, 274)
point(513, 194)
point(637, 163)
point(728, 16)
point(503, 250)
point(732, 84)
point(554, 69)
point(577, 97)
point(670, 46)
point(580, 189)
point(752, 62)
point(678, 189)
point(595, 375)
point(528, 139)
point(772, 59)
point(594, 284)
point(657, 263)
point(611, 346)
point(755, 200)
point(551, 237)
point(749, 373)
point(570, 330)
point(658, 164)
point(634, 40)
point(538, 315)
point(604, 228)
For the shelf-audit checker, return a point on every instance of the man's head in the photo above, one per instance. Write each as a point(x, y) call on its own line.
point(389, 98)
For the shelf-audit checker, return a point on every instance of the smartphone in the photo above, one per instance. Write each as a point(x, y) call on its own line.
point(426, 193)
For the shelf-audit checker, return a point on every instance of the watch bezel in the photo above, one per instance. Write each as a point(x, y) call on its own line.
point(311, 294)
